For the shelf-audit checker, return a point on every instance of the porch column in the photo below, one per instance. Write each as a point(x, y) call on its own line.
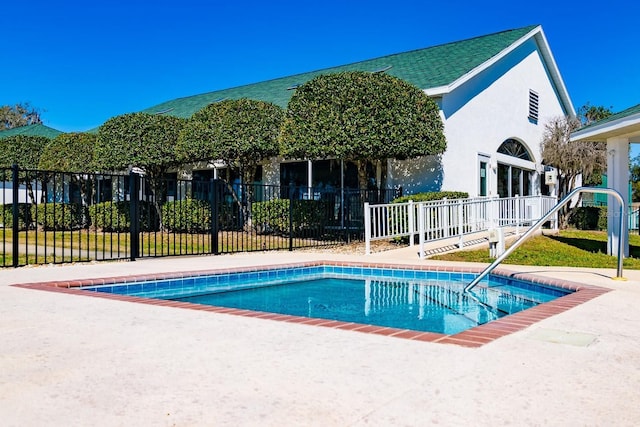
point(618, 179)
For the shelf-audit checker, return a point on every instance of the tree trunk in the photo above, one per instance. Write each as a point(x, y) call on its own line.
point(362, 174)
point(247, 181)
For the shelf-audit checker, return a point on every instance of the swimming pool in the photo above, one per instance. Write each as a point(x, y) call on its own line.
point(395, 298)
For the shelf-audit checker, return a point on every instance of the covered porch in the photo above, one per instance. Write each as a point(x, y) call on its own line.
point(618, 131)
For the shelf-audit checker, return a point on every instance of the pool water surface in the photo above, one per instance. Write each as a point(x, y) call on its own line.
point(405, 299)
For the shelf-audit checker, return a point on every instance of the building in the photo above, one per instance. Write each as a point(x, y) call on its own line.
point(31, 130)
point(495, 93)
point(618, 131)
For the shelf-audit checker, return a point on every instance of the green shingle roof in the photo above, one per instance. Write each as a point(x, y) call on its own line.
point(31, 130)
point(425, 68)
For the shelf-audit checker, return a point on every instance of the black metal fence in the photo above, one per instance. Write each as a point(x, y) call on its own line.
point(55, 217)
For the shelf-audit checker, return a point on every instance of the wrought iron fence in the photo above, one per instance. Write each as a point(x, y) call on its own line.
point(59, 217)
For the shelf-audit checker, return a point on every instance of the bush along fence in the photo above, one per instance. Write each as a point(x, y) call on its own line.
point(55, 217)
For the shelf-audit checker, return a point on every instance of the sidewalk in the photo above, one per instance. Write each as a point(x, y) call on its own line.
point(74, 361)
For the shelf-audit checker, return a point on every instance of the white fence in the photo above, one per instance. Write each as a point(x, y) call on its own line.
point(445, 219)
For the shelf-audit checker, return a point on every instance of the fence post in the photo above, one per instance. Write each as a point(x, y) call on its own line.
point(421, 230)
point(412, 225)
point(517, 215)
point(346, 211)
point(290, 220)
point(367, 229)
point(15, 225)
point(134, 214)
point(214, 203)
point(460, 223)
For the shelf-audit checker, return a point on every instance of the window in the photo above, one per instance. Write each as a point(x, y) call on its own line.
point(514, 148)
point(513, 181)
point(533, 106)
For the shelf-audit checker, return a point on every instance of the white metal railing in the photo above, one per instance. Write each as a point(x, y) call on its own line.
point(444, 219)
point(547, 216)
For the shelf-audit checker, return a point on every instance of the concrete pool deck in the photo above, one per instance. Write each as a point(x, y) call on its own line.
point(74, 360)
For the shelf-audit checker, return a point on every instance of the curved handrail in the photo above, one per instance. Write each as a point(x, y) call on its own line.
point(545, 218)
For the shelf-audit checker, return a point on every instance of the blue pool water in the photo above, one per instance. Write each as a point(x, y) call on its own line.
point(405, 299)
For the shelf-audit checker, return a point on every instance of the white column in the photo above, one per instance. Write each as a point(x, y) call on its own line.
point(618, 179)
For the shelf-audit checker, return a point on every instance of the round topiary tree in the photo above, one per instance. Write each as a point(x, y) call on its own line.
point(72, 152)
point(142, 140)
point(361, 117)
point(241, 132)
point(24, 151)
point(69, 152)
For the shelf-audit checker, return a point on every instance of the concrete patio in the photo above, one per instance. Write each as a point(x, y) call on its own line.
point(76, 361)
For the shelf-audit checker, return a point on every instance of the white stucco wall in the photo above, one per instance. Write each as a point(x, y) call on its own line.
point(479, 116)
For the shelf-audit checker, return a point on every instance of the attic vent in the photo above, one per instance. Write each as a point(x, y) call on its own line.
point(533, 106)
point(295, 86)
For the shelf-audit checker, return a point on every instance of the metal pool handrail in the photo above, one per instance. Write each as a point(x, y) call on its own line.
point(545, 218)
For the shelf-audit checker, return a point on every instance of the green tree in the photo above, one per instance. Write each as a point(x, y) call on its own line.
point(588, 114)
point(361, 117)
point(24, 151)
point(145, 141)
point(71, 152)
point(585, 159)
point(18, 115)
point(241, 132)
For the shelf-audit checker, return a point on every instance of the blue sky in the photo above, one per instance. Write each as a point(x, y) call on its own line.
point(81, 63)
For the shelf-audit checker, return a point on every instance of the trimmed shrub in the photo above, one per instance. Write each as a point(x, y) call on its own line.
point(589, 218)
point(602, 218)
point(59, 216)
point(115, 216)
point(431, 196)
point(24, 216)
point(187, 216)
point(273, 216)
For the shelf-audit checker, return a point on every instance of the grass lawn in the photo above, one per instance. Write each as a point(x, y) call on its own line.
point(571, 248)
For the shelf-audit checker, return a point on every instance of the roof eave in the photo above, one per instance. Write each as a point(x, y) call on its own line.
point(624, 127)
point(541, 41)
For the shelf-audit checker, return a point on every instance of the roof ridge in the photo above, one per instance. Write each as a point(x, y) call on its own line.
point(321, 70)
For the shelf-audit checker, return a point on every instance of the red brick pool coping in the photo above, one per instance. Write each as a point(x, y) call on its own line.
point(474, 337)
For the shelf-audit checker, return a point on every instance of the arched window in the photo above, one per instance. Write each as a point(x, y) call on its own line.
point(514, 148)
point(514, 180)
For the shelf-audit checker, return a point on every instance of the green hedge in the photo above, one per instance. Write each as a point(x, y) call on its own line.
point(115, 216)
point(59, 216)
point(24, 216)
point(273, 216)
point(431, 196)
point(187, 216)
point(589, 218)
